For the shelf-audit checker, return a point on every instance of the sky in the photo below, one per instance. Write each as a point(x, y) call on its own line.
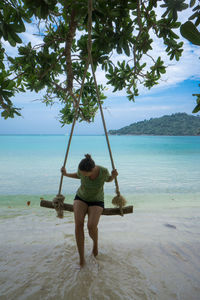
point(172, 95)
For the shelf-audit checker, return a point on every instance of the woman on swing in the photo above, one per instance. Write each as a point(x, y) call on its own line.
point(89, 200)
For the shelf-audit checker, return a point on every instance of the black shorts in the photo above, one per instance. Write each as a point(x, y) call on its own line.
point(94, 203)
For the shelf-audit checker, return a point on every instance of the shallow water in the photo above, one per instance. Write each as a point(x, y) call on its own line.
point(140, 257)
point(153, 253)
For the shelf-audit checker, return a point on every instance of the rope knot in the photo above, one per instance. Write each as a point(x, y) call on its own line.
point(119, 201)
point(58, 203)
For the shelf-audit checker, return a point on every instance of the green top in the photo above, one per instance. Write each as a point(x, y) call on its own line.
point(92, 189)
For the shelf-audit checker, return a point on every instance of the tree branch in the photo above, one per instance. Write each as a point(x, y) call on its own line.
point(60, 87)
point(140, 31)
point(68, 45)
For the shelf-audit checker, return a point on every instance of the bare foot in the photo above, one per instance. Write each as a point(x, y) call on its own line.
point(82, 263)
point(95, 251)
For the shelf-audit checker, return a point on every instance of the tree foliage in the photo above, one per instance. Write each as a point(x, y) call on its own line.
point(191, 33)
point(56, 65)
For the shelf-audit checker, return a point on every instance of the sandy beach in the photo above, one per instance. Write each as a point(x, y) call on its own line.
point(152, 254)
point(147, 255)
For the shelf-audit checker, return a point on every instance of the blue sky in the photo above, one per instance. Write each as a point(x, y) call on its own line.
point(119, 112)
point(173, 94)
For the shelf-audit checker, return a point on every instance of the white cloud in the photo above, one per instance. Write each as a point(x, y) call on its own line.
point(177, 71)
point(140, 108)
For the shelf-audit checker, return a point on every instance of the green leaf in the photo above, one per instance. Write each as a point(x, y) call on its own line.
point(7, 94)
point(11, 85)
point(15, 37)
point(197, 108)
point(11, 59)
point(11, 41)
point(192, 3)
point(197, 22)
point(119, 49)
point(126, 49)
point(162, 70)
point(195, 15)
point(19, 28)
point(190, 32)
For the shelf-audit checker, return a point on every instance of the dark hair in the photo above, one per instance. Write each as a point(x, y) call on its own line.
point(87, 164)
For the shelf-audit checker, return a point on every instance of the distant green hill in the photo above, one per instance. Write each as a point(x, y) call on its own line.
point(176, 124)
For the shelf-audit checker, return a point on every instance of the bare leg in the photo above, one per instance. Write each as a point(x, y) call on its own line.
point(80, 210)
point(94, 213)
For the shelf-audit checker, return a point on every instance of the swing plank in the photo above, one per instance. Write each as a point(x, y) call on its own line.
point(106, 211)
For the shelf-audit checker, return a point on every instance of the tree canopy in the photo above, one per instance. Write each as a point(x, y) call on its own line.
point(56, 65)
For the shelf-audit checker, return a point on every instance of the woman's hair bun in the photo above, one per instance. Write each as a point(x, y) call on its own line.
point(88, 156)
point(87, 164)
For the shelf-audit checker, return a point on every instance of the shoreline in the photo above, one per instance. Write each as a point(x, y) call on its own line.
point(144, 201)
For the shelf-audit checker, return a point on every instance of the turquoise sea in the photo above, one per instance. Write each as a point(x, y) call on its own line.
point(153, 253)
point(147, 165)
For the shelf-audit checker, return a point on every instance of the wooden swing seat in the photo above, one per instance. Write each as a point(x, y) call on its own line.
point(107, 211)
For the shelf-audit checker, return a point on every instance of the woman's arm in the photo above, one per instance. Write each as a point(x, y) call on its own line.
point(71, 175)
point(114, 174)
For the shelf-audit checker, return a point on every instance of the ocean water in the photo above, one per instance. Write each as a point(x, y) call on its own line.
point(146, 164)
point(153, 253)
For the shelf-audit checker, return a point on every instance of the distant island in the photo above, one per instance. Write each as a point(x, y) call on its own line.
point(175, 124)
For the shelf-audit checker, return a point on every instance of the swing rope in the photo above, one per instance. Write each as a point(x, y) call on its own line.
point(118, 200)
point(58, 201)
